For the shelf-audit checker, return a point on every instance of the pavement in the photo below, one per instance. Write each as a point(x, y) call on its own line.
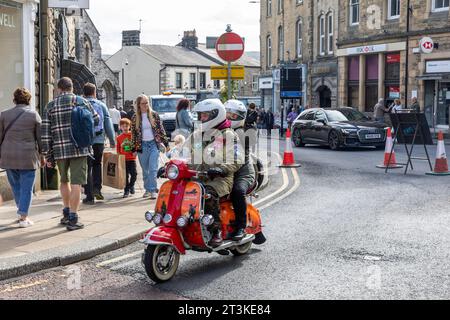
point(109, 225)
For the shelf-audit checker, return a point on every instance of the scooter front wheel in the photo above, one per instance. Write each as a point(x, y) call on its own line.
point(161, 262)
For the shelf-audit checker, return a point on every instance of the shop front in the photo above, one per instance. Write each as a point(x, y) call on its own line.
point(16, 49)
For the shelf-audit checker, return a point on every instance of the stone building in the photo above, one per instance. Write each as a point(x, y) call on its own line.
point(286, 40)
point(380, 56)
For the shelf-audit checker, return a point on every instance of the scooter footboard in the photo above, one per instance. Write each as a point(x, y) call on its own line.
point(165, 236)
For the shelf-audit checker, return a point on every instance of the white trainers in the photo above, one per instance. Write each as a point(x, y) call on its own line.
point(153, 196)
point(25, 223)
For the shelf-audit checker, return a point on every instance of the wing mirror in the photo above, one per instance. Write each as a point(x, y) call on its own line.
point(322, 121)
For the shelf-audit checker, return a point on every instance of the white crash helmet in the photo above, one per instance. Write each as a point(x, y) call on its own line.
point(237, 108)
point(216, 111)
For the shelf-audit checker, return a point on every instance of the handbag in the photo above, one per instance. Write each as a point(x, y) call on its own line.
point(5, 132)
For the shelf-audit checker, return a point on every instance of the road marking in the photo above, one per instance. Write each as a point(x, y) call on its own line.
point(126, 264)
point(124, 257)
point(24, 286)
point(283, 187)
point(293, 189)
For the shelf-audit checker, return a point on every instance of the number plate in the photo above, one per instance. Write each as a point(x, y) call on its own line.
point(373, 136)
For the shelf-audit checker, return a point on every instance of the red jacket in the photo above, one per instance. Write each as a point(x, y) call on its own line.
point(125, 146)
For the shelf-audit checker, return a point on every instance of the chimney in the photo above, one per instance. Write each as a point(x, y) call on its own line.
point(131, 38)
point(190, 39)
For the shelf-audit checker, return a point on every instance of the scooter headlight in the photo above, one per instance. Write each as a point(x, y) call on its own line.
point(157, 219)
point(172, 172)
point(207, 220)
point(149, 216)
point(182, 222)
point(167, 218)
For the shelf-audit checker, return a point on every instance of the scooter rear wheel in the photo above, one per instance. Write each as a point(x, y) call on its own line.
point(242, 250)
point(161, 262)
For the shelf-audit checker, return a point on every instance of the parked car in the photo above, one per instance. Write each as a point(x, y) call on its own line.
point(337, 128)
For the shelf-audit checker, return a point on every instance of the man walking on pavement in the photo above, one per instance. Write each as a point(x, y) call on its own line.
point(115, 117)
point(61, 149)
point(93, 188)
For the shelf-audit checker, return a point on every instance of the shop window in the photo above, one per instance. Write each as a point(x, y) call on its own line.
point(353, 96)
point(393, 66)
point(372, 67)
point(353, 68)
point(11, 52)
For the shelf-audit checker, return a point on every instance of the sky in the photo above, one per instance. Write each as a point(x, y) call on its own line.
point(165, 20)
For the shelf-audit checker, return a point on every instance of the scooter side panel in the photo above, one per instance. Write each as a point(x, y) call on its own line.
point(192, 206)
point(228, 218)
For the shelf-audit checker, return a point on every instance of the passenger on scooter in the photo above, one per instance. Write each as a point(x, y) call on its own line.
point(245, 178)
point(221, 157)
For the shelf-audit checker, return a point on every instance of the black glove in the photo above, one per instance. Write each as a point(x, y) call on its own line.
point(216, 172)
point(161, 172)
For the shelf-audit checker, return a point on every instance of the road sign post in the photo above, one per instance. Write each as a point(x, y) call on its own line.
point(230, 47)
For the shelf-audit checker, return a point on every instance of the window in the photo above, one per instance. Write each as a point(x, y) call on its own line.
point(280, 43)
point(280, 6)
point(192, 81)
point(393, 9)
point(322, 35)
point(179, 80)
point(269, 8)
point(330, 34)
point(354, 12)
point(202, 81)
point(269, 51)
point(299, 39)
point(255, 83)
point(440, 5)
point(216, 84)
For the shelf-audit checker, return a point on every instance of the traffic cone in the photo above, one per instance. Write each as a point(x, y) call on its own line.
point(288, 161)
point(441, 167)
point(392, 164)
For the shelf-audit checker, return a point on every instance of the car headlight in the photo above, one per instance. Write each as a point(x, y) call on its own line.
point(182, 222)
point(172, 172)
point(149, 216)
point(349, 131)
point(157, 219)
point(207, 220)
point(167, 218)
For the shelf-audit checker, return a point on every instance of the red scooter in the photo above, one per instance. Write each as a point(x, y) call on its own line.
point(182, 224)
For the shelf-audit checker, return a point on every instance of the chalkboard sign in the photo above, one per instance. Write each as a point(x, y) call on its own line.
point(412, 128)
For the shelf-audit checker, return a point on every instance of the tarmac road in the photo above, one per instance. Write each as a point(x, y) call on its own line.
point(348, 232)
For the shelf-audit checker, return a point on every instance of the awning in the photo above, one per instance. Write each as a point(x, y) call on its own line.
point(79, 73)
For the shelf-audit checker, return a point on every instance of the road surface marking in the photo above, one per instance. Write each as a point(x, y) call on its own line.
point(283, 187)
point(126, 264)
point(293, 189)
point(24, 286)
point(124, 257)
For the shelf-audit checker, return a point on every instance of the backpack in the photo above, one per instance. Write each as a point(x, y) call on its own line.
point(83, 127)
point(99, 109)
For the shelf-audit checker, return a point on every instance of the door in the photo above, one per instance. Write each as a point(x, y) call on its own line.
point(305, 126)
point(319, 130)
point(443, 106)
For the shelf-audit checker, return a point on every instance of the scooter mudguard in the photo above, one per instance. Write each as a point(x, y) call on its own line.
point(165, 235)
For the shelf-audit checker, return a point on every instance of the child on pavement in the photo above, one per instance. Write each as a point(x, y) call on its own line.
point(177, 151)
point(124, 146)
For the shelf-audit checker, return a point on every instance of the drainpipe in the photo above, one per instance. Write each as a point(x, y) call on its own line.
point(408, 16)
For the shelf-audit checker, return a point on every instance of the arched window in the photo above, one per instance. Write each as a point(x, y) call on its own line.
point(269, 51)
point(280, 43)
point(299, 38)
point(87, 51)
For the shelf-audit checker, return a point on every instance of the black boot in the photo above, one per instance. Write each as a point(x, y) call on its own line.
point(239, 235)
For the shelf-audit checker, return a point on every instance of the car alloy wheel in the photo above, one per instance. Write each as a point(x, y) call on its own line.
point(333, 140)
point(298, 139)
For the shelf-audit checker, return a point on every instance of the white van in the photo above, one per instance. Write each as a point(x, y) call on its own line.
point(166, 106)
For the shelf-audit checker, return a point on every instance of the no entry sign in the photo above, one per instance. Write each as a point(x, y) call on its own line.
point(230, 47)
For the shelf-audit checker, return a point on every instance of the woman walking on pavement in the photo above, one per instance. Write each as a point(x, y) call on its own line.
point(184, 123)
point(148, 140)
point(20, 142)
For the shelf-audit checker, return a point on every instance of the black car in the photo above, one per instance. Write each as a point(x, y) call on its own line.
point(337, 128)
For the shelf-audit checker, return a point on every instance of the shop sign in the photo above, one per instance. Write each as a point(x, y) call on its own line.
point(69, 4)
point(439, 66)
point(426, 45)
point(266, 83)
point(7, 20)
point(394, 92)
point(393, 58)
point(367, 49)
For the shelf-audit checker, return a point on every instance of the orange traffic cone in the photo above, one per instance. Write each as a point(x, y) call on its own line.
point(441, 168)
point(288, 161)
point(389, 160)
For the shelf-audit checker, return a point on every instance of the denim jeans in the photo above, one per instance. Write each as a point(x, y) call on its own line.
point(22, 183)
point(149, 160)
